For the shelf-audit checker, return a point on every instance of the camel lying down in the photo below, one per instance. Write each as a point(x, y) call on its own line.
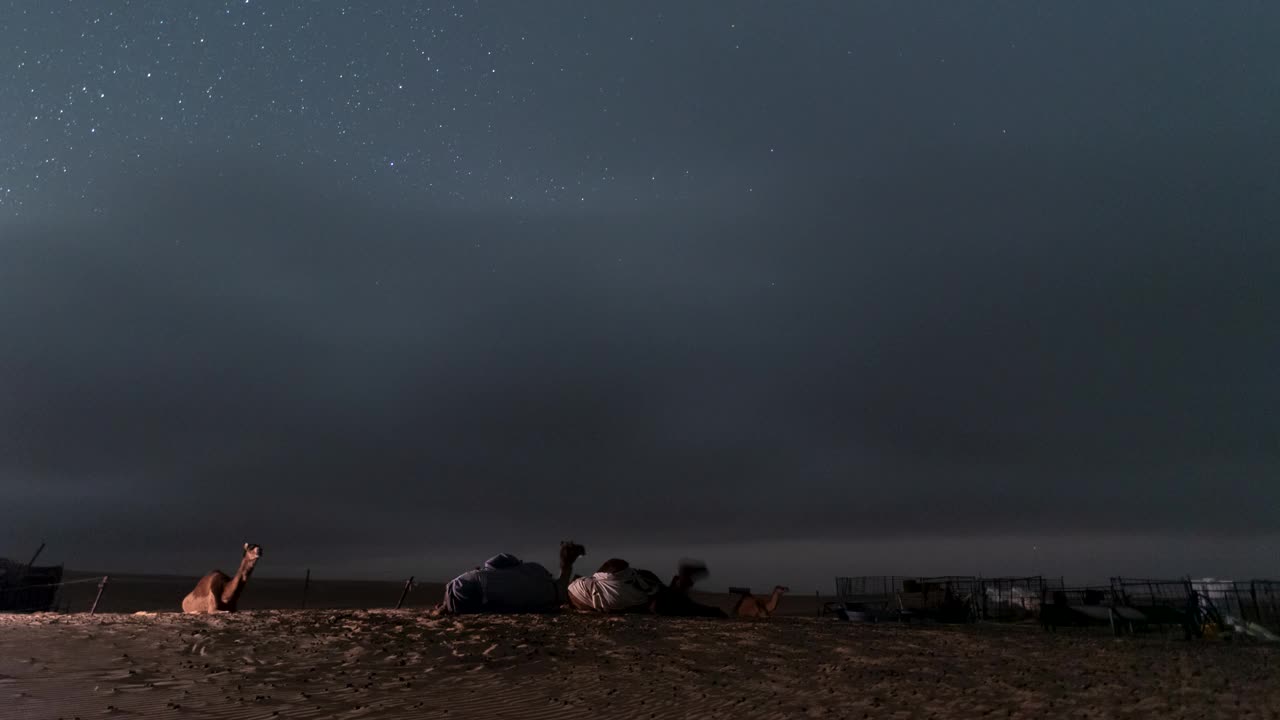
point(506, 584)
point(619, 588)
point(749, 605)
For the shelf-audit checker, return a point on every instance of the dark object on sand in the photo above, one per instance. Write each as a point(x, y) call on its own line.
point(850, 612)
point(26, 588)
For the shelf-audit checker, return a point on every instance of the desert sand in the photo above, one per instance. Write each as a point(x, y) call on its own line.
point(412, 664)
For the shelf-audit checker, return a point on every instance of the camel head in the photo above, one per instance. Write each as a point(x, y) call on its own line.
point(614, 565)
point(781, 589)
point(570, 551)
point(252, 552)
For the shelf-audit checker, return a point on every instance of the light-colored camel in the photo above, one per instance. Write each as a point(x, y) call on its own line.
point(218, 593)
point(749, 605)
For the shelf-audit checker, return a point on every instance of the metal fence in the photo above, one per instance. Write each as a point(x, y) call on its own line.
point(125, 593)
point(1011, 598)
point(1161, 602)
point(1134, 602)
point(1256, 601)
point(872, 589)
point(951, 598)
point(1083, 595)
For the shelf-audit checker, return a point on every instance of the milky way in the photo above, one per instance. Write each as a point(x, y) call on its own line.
point(462, 103)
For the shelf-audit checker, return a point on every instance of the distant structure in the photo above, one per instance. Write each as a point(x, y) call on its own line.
point(28, 588)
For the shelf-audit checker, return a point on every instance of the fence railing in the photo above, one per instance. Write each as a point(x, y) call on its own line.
point(125, 593)
point(1155, 601)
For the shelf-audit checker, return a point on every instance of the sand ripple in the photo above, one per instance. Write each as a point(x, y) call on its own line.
point(409, 664)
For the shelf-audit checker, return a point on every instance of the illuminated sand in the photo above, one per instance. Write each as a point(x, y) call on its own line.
point(408, 664)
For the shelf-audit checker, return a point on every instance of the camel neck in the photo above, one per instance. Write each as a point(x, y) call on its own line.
point(236, 586)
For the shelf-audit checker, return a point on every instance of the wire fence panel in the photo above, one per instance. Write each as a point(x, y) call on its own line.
point(1133, 602)
point(150, 593)
point(951, 598)
point(1240, 602)
point(868, 588)
point(1011, 598)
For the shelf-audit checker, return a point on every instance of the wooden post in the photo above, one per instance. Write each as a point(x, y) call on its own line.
point(23, 571)
point(817, 600)
point(39, 550)
point(408, 584)
point(1253, 596)
point(101, 586)
point(306, 583)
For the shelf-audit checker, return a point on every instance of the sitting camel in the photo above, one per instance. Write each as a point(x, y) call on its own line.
point(749, 605)
point(619, 588)
point(505, 584)
point(218, 593)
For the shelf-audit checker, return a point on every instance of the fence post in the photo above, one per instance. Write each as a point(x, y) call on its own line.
point(101, 586)
point(306, 583)
point(407, 585)
point(1195, 615)
point(34, 556)
point(1253, 596)
point(817, 600)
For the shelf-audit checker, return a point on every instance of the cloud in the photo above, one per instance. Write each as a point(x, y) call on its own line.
point(1032, 345)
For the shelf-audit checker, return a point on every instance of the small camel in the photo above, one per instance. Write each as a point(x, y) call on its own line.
point(749, 605)
point(218, 593)
point(570, 551)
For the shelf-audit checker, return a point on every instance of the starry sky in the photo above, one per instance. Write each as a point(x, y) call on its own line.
point(802, 289)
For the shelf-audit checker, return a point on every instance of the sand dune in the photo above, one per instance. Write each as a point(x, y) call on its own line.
point(410, 664)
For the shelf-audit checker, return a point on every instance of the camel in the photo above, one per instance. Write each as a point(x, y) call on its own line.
point(749, 605)
point(570, 551)
point(619, 588)
point(506, 584)
point(218, 593)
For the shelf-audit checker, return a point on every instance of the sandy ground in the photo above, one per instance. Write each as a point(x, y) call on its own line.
point(409, 664)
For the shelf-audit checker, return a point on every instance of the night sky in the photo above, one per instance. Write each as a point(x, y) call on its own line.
point(803, 289)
